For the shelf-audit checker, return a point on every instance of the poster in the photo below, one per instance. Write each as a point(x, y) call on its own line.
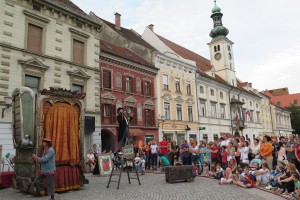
point(105, 164)
point(128, 152)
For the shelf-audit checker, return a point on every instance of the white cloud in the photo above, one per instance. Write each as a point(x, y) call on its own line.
point(265, 33)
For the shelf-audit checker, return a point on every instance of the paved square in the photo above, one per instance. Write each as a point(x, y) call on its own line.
point(153, 187)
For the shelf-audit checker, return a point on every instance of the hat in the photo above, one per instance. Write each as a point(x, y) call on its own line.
point(47, 139)
point(119, 109)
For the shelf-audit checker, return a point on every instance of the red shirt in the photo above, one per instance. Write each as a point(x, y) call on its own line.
point(215, 155)
point(224, 156)
point(163, 150)
point(298, 151)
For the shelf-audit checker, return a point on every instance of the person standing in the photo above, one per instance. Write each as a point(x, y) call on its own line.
point(123, 133)
point(164, 147)
point(47, 171)
point(154, 151)
point(266, 150)
point(185, 153)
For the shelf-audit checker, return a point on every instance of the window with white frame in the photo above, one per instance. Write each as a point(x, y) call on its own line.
point(177, 84)
point(201, 90)
point(212, 92)
point(179, 112)
point(213, 109)
point(167, 110)
point(221, 95)
point(188, 87)
point(166, 82)
point(202, 108)
point(190, 113)
point(222, 109)
point(258, 117)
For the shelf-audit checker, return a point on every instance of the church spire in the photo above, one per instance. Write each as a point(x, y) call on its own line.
point(219, 30)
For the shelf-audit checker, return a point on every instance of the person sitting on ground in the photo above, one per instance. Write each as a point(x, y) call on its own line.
point(218, 174)
point(195, 170)
point(285, 181)
point(248, 180)
point(262, 175)
point(227, 178)
point(279, 170)
point(91, 159)
point(164, 161)
point(205, 171)
point(296, 194)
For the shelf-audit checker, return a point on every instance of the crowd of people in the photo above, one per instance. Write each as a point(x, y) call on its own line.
point(264, 162)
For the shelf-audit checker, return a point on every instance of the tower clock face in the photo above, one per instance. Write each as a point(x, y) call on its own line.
point(218, 56)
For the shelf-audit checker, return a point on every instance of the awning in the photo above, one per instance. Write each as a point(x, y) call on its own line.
point(136, 132)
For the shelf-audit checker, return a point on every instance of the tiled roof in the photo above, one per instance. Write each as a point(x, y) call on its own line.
point(129, 34)
point(67, 4)
point(123, 53)
point(202, 63)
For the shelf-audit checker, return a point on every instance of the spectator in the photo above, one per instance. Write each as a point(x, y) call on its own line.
point(281, 152)
point(225, 141)
point(175, 152)
point(244, 152)
point(91, 159)
point(164, 147)
point(185, 154)
point(202, 153)
point(154, 151)
point(215, 153)
point(224, 156)
point(266, 150)
point(255, 148)
point(262, 175)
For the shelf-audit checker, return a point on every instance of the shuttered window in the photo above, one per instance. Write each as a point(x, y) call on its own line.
point(78, 52)
point(106, 79)
point(34, 38)
point(32, 82)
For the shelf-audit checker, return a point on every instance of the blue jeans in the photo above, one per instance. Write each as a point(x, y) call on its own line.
point(147, 161)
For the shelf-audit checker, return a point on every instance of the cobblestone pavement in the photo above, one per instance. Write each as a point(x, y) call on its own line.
point(153, 187)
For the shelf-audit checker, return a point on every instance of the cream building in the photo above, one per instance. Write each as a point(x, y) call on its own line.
point(281, 121)
point(48, 44)
point(175, 89)
point(266, 115)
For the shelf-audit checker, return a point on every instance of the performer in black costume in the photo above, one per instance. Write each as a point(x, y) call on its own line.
point(123, 134)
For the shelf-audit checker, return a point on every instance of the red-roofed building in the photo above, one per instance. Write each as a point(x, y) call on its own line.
point(128, 81)
point(282, 98)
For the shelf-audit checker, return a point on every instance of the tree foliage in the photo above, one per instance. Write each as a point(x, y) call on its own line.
point(295, 118)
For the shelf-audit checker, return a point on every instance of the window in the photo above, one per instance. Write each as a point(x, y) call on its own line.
point(250, 103)
point(32, 82)
point(188, 88)
point(78, 88)
point(216, 137)
point(221, 95)
point(205, 136)
point(177, 84)
point(106, 79)
point(148, 117)
point(107, 110)
point(179, 112)
point(278, 103)
point(128, 84)
point(213, 110)
point(166, 82)
point(295, 101)
point(78, 52)
point(257, 117)
point(215, 48)
point(201, 89)
point(251, 116)
point(228, 47)
point(212, 92)
point(232, 82)
point(256, 105)
point(202, 108)
point(222, 111)
point(167, 110)
point(147, 88)
point(219, 48)
point(190, 113)
point(34, 38)
point(243, 100)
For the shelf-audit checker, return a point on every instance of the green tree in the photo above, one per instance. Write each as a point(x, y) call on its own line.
point(295, 118)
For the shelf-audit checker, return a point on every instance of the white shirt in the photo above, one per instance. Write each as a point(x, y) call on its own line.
point(153, 148)
point(244, 153)
point(255, 149)
point(194, 150)
point(281, 154)
point(225, 143)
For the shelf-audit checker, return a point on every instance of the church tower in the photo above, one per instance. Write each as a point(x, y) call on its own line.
point(221, 52)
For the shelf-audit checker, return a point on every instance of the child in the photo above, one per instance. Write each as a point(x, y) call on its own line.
point(205, 171)
point(218, 174)
point(224, 155)
point(262, 175)
point(248, 180)
point(195, 170)
point(228, 177)
point(296, 177)
point(137, 161)
point(143, 166)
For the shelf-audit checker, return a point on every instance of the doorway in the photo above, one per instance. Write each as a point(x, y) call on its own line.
point(107, 140)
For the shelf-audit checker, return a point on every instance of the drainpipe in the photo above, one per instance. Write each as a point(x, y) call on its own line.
point(230, 109)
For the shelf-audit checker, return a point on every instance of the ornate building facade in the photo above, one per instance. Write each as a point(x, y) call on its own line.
point(48, 44)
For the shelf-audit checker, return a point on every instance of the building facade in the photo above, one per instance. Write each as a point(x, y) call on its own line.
point(281, 121)
point(175, 90)
point(48, 44)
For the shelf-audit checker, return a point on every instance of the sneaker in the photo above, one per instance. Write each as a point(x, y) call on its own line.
point(269, 187)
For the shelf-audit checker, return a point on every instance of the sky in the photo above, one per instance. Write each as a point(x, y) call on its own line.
point(266, 33)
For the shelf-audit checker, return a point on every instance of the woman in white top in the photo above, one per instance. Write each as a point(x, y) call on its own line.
point(91, 159)
point(154, 150)
point(244, 152)
point(281, 152)
point(255, 148)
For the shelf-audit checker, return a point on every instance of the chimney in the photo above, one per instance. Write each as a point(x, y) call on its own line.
point(118, 21)
point(151, 27)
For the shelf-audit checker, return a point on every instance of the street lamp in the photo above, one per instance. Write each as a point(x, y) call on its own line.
point(8, 101)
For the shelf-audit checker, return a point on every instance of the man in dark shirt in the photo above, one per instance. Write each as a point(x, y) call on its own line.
point(123, 134)
point(185, 154)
